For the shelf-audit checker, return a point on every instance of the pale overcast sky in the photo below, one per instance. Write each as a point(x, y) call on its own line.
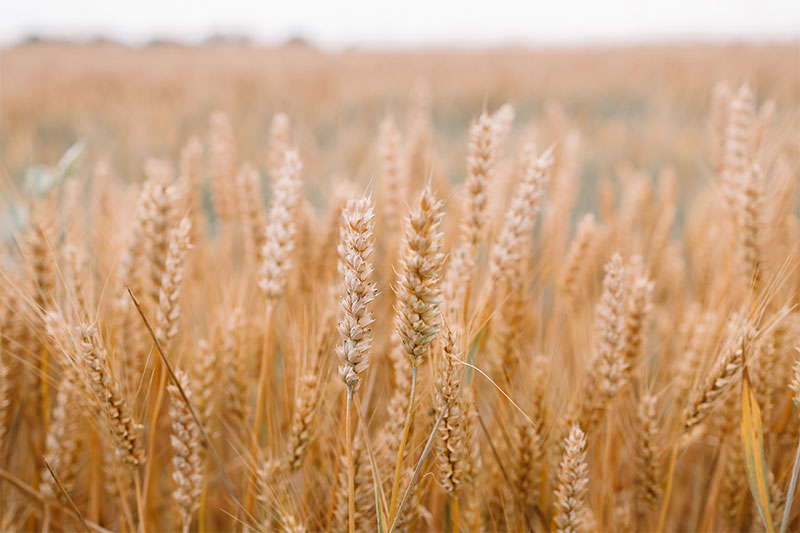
point(341, 23)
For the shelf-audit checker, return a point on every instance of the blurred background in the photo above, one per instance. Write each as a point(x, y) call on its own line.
point(135, 80)
point(411, 23)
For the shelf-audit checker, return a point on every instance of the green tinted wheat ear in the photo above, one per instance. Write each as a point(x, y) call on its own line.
point(571, 508)
point(278, 250)
point(187, 463)
point(356, 245)
point(168, 310)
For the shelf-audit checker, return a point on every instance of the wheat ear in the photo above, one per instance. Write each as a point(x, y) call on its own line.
point(188, 473)
point(571, 508)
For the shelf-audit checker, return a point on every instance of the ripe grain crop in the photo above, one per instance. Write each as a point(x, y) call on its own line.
point(477, 316)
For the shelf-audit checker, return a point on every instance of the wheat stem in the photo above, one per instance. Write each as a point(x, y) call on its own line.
point(790, 493)
point(399, 462)
point(351, 474)
point(455, 514)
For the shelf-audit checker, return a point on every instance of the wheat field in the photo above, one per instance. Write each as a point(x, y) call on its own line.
point(250, 289)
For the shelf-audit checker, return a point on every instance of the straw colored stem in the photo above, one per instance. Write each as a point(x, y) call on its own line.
point(139, 501)
point(399, 463)
point(662, 517)
point(351, 474)
point(455, 513)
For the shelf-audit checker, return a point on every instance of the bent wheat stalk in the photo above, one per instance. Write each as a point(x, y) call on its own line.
point(225, 479)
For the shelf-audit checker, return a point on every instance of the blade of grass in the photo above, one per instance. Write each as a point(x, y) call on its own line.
point(790, 493)
point(753, 447)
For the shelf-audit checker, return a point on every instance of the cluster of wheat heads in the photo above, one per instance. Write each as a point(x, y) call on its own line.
point(406, 357)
